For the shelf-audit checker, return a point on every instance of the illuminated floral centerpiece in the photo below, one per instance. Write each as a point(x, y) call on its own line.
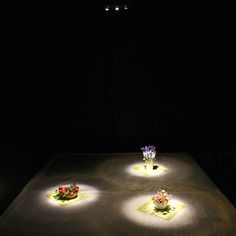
point(149, 156)
point(161, 199)
point(161, 205)
point(67, 192)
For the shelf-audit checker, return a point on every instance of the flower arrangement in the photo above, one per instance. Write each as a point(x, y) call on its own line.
point(149, 156)
point(67, 192)
point(161, 199)
point(149, 153)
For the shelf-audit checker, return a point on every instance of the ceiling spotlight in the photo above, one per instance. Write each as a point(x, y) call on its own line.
point(125, 7)
point(117, 8)
point(106, 8)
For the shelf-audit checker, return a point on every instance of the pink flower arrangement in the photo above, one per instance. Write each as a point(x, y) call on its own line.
point(161, 198)
point(67, 192)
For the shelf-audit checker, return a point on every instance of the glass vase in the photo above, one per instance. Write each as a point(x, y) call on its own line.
point(149, 164)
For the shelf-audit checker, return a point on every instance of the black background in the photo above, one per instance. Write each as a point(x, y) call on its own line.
point(79, 79)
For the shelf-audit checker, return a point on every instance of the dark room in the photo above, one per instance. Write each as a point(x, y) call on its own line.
point(118, 118)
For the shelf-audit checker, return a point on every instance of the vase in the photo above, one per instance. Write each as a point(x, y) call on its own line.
point(70, 196)
point(149, 165)
point(161, 205)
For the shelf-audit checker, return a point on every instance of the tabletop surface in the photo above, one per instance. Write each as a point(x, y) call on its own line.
point(116, 190)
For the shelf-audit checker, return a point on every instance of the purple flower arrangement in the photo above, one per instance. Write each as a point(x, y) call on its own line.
point(149, 153)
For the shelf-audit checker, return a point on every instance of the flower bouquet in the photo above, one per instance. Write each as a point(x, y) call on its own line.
point(161, 199)
point(149, 156)
point(67, 192)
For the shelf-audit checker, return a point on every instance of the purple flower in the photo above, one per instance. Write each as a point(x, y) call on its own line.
point(148, 149)
point(149, 152)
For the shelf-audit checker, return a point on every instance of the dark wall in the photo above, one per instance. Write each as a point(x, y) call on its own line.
point(153, 76)
point(25, 122)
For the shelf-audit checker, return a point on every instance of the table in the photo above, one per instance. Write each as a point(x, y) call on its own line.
point(117, 190)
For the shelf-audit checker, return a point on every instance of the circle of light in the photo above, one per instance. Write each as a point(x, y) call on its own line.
point(94, 195)
point(130, 169)
point(184, 217)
